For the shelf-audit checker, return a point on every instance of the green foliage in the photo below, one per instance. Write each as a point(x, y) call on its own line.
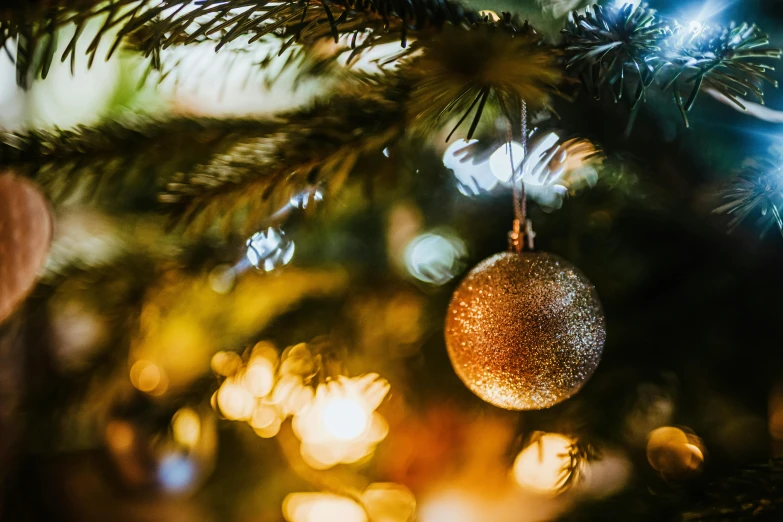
point(756, 191)
point(123, 163)
point(753, 494)
point(609, 45)
point(458, 70)
point(606, 43)
point(206, 174)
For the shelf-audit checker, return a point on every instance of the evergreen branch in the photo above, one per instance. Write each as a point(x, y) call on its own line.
point(34, 25)
point(606, 43)
point(722, 59)
point(205, 169)
point(367, 22)
point(234, 191)
point(121, 163)
point(460, 70)
point(753, 494)
point(620, 48)
point(756, 191)
point(152, 26)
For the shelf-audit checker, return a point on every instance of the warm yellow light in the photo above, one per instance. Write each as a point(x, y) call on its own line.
point(119, 436)
point(259, 377)
point(388, 502)
point(344, 419)
point(186, 427)
point(452, 506)
point(674, 453)
point(148, 377)
point(340, 424)
point(226, 363)
point(540, 467)
point(321, 507)
point(234, 401)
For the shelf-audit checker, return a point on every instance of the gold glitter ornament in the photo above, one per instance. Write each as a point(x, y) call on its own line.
point(525, 331)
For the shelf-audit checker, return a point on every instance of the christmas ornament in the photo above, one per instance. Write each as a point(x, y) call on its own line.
point(25, 236)
point(524, 330)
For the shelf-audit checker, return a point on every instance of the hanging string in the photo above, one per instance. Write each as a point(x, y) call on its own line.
point(522, 230)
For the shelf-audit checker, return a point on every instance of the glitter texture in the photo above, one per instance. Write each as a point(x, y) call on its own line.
point(525, 331)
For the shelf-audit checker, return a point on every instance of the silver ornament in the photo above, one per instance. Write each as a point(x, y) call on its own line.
point(525, 331)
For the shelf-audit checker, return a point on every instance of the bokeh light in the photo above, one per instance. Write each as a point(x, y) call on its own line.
point(435, 258)
point(235, 401)
point(226, 363)
point(389, 502)
point(473, 177)
point(148, 377)
point(542, 466)
point(500, 161)
point(321, 507)
point(176, 472)
point(186, 427)
point(451, 506)
point(344, 419)
point(259, 377)
point(340, 424)
point(269, 249)
point(674, 453)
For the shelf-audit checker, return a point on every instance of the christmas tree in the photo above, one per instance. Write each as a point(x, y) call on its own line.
point(390, 260)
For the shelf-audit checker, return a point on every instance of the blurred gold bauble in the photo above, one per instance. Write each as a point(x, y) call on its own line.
point(25, 236)
point(525, 331)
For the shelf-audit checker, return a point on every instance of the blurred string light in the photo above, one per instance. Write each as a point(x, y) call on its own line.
point(543, 466)
point(435, 258)
point(270, 248)
point(148, 377)
point(336, 422)
point(340, 424)
point(389, 502)
point(473, 178)
point(551, 169)
point(322, 507)
point(261, 391)
point(674, 453)
point(380, 502)
point(186, 427)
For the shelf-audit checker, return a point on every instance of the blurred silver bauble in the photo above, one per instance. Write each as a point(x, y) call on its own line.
point(525, 331)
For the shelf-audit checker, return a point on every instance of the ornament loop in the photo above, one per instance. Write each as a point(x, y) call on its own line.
point(519, 236)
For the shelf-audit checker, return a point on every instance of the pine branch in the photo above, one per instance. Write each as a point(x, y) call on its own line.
point(754, 494)
point(152, 26)
point(234, 191)
point(632, 48)
point(33, 27)
point(206, 171)
point(756, 191)
point(121, 164)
